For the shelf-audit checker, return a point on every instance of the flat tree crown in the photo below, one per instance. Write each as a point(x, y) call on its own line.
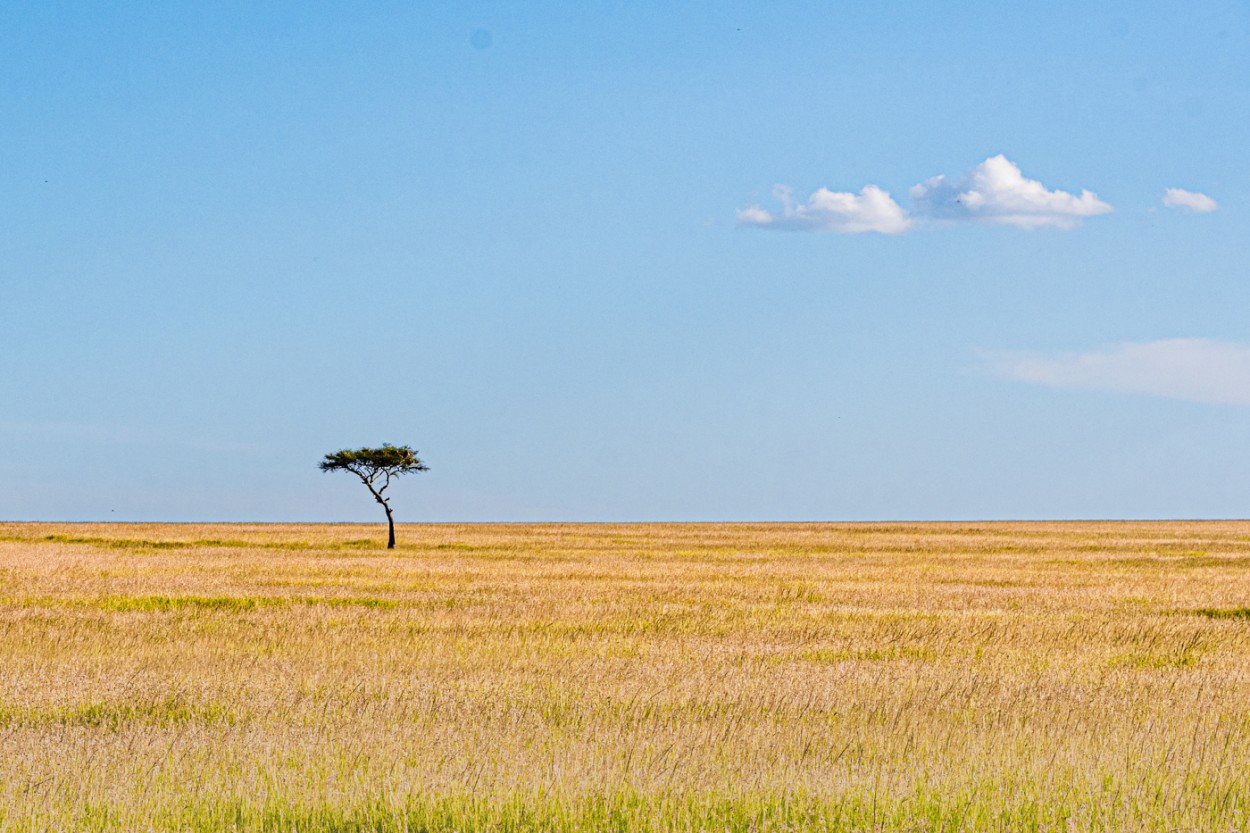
point(389, 459)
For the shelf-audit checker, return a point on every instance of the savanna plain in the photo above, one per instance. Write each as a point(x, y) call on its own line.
point(842, 677)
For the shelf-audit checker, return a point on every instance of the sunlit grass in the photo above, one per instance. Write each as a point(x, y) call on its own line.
point(940, 677)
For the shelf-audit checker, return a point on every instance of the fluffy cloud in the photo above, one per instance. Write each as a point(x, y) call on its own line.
point(996, 192)
point(837, 211)
point(1189, 201)
point(993, 192)
point(1193, 369)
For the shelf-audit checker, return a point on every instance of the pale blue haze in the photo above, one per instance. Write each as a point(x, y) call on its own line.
point(235, 236)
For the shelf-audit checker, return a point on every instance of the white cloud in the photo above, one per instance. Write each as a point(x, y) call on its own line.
point(1193, 369)
point(996, 192)
point(993, 192)
point(1192, 202)
point(836, 211)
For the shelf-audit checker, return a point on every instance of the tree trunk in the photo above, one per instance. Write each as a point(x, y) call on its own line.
point(390, 523)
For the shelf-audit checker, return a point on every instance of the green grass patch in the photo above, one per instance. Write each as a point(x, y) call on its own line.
point(330, 601)
point(153, 544)
point(1146, 660)
point(168, 603)
point(164, 604)
point(891, 654)
point(1000, 805)
point(101, 714)
point(141, 543)
point(1224, 612)
point(165, 712)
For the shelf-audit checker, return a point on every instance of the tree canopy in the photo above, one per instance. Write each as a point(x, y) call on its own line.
point(388, 460)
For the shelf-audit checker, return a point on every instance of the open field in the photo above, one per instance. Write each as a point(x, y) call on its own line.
point(1080, 676)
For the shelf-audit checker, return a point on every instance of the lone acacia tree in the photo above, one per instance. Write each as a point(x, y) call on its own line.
point(376, 467)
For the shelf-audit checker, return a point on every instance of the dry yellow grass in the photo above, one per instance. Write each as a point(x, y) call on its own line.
point(1083, 676)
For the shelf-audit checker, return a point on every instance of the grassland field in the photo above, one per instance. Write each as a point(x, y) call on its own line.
point(848, 677)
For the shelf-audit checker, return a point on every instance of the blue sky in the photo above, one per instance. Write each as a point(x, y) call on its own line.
point(545, 245)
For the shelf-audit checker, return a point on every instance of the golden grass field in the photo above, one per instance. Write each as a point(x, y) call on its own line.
point(923, 677)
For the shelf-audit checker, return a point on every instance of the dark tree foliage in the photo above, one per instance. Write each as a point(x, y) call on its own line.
point(376, 467)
